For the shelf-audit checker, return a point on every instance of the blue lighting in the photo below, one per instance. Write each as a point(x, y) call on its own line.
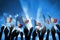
point(30, 9)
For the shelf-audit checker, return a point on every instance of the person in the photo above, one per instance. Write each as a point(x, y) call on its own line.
point(30, 33)
point(15, 33)
point(21, 33)
point(47, 36)
point(43, 32)
point(38, 32)
point(34, 35)
point(53, 31)
point(1, 31)
point(26, 33)
point(10, 21)
point(58, 26)
point(19, 27)
point(11, 28)
point(6, 32)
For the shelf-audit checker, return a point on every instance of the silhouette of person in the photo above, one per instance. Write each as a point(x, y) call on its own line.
point(34, 35)
point(11, 28)
point(29, 35)
point(58, 26)
point(26, 33)
point(43, 32)
point(1, 32)
point(17, 33)
point(6, 31)
point(21, 35)
point(13, 34)
point(53, 33)
point(47, 36)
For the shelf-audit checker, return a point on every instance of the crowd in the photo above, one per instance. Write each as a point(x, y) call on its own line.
point(13, 35)
point(26, 31)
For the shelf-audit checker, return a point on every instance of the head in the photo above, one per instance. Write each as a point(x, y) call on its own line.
point(10, 19)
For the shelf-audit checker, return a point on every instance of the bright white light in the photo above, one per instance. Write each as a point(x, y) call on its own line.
point(55, 27)
point(27, 16)
point(31, 36)
point(26, 12)
point(46, 33)
point(38, 14)
point(23, 36)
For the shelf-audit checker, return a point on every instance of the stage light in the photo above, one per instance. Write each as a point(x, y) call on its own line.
point(38, 14)
point(27, 17)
